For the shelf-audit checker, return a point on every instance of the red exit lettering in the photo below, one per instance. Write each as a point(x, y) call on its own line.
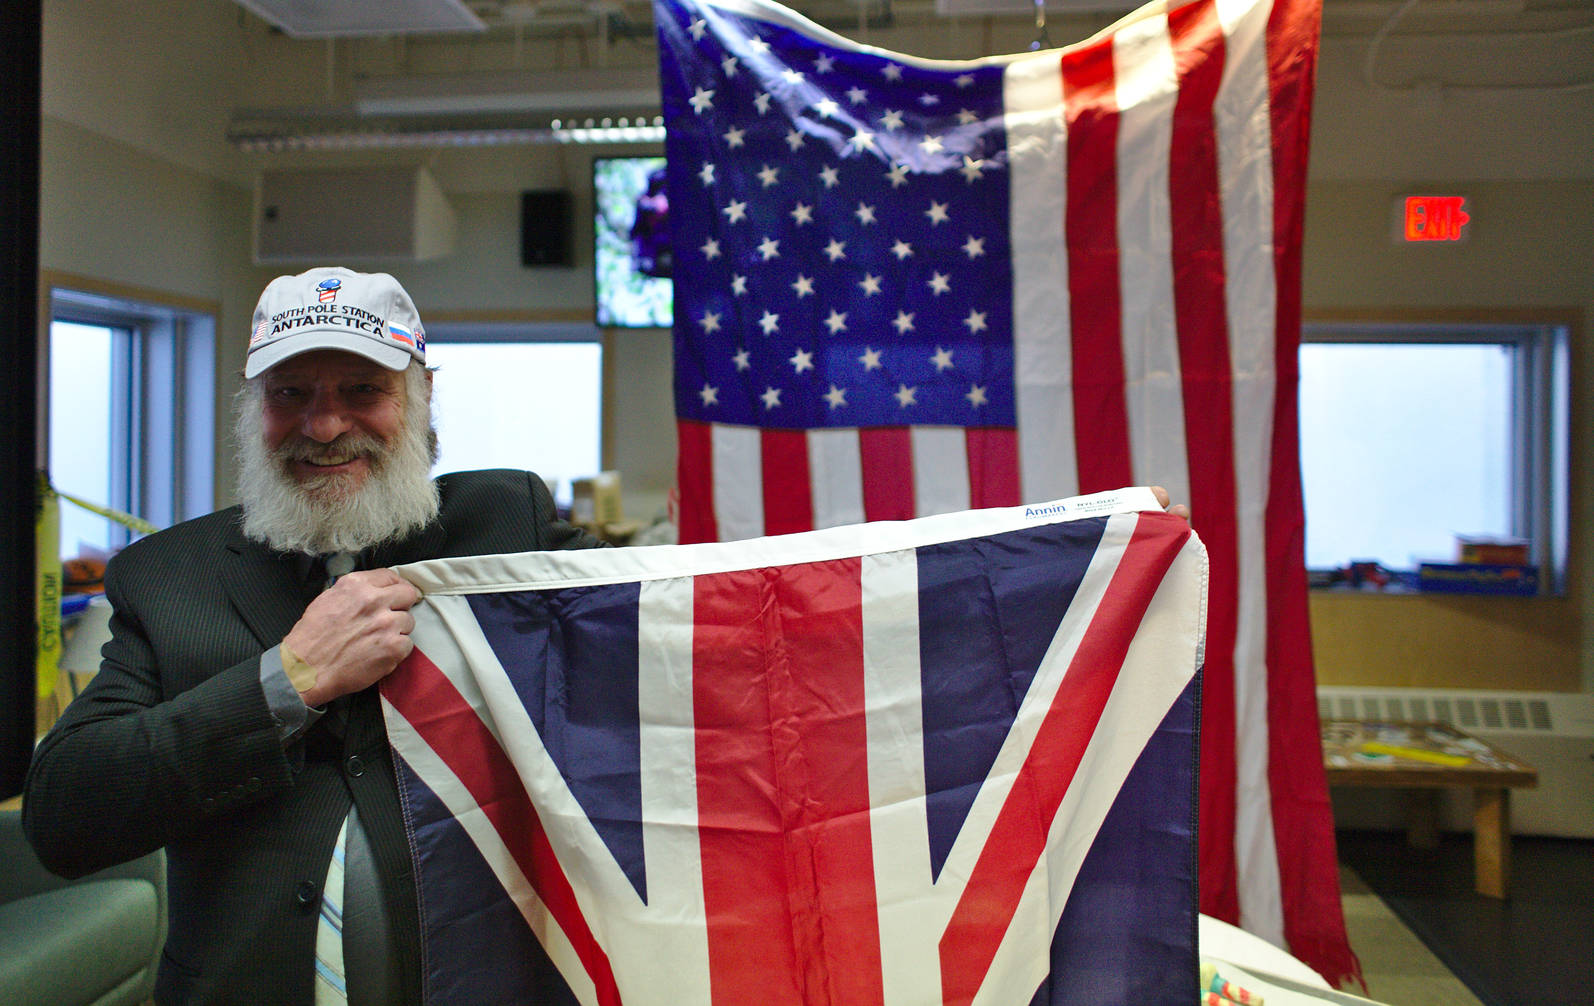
point(1435, 218)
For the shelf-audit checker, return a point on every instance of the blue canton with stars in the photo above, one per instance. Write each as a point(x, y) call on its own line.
point(840, 229)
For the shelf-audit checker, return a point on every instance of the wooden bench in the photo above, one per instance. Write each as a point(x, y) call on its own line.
point(1425, 758)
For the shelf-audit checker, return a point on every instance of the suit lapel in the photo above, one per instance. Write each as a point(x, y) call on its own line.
point(263, 587)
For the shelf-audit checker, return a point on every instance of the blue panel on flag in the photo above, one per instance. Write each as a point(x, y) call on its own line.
point(589, 721)
point(1141, 873)
point(460, 900)
point(988, 609)
point(840, 228)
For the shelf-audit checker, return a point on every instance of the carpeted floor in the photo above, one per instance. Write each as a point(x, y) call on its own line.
point(1535, 948)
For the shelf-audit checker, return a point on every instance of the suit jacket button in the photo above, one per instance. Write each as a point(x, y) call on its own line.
point(305, 894)
point(355, 766)
point(253, 785)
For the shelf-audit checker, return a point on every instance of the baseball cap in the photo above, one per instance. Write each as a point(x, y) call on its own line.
point(335, 308)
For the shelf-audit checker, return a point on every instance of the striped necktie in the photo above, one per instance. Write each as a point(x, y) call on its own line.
point(330, 987)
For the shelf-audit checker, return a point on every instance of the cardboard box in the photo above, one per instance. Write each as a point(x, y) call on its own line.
point(596, 500)
point(1492, 550)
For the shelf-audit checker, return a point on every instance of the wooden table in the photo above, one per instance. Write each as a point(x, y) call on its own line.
point(1425, 758)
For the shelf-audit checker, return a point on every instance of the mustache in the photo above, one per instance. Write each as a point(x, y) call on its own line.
point(345, 448)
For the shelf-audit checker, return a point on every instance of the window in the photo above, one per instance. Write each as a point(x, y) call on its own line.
point(81, 410)
point(519, 396)
point(131, 413)
point(1412, 435)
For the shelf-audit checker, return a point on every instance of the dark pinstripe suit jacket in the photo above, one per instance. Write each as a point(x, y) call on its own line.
point(172, 745)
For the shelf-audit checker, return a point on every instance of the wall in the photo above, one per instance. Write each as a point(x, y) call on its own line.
point(140, 188)
point(1520, 156)
point(484, 280)
point(140, 226)
point(1529, 258)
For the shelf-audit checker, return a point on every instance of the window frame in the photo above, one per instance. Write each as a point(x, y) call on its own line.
point(1540, 419)
point(163, 416)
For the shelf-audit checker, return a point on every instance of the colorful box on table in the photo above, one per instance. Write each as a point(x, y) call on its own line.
point(1478, 578)
point(1491, 550)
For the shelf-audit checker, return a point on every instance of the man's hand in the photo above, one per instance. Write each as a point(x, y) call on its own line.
point(353, 635)
point(1178, 509)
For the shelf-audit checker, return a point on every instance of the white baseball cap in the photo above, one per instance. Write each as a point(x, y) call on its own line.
point(335, 308)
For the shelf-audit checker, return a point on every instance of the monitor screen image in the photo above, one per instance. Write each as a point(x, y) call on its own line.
point(633, 259)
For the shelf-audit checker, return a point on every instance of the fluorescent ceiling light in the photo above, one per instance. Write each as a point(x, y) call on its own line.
point(338, 18)
point(1060, 8)
point(525, 91)
point(323, 133)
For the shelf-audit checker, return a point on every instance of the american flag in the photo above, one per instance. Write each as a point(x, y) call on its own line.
point(943, 760)
point(908, 286)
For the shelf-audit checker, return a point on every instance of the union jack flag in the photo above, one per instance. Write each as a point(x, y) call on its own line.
point(906, 286)
point(943, 760)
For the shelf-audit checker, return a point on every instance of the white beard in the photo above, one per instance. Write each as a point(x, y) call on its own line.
point(330, 513)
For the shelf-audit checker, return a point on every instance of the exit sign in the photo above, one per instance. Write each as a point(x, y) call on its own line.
point(1433, 218)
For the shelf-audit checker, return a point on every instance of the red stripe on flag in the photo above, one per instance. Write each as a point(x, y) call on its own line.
point(820, 684)
point(1201, 315)
point(788, 490)
point(437, 712)
point(885, 454)
point(1303, 823)
point(694, 477)
point(788, 869)
point(1018, 838)
point(751, 953)
point(993, 466)
point(1095, 297)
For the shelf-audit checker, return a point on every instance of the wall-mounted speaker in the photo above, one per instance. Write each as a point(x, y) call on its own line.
point(547, 225)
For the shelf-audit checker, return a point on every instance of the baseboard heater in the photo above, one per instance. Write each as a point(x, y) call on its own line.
point(1552, 731)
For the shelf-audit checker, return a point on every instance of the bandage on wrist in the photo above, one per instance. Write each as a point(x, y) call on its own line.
point(300, 674)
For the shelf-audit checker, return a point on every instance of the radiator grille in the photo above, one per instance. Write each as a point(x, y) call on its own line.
point(1495, 713)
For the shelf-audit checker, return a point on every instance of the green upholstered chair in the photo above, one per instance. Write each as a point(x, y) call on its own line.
point(93, 940)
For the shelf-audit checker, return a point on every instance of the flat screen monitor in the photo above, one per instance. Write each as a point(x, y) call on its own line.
point(633, 260)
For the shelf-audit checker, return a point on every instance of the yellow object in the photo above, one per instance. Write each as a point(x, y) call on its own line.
point(1417, 754)
point(47, 584)
point(127, 520)
point(301, 674)
point(48, 572)
point(596, 500)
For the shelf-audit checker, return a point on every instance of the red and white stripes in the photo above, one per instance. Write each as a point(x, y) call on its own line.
point(1157, 193)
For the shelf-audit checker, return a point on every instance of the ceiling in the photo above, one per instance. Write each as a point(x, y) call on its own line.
point(416, 100)
point(308, 19)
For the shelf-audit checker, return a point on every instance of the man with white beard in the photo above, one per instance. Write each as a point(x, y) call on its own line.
point(233, 720)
